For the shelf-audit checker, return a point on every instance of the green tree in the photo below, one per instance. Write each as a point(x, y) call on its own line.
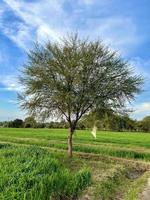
point(17, 123)
point(73, 77)
point(30, 122)
point(98, 117)
point(145, 124)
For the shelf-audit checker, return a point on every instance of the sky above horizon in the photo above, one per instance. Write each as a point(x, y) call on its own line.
point(123, 25)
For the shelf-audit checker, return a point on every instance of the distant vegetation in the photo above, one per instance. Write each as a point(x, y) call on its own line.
point(113, 122)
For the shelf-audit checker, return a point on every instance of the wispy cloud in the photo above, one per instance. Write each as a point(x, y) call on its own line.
point(10, 115)
point(141, 110)
point(13, 101)
point(41, 20)
point(37, 22)
point(24, 22)
point(143, 107)
point(22, 35)
point(142, 67)
point(119, 32)
point(10, 83)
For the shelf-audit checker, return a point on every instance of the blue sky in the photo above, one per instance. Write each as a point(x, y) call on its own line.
point(124, 25)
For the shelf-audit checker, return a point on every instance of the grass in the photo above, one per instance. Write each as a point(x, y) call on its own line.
point(128, 139)
point(110, 174)
point(124, 145)
point(33, 173)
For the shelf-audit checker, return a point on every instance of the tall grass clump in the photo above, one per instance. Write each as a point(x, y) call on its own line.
point(31, 173)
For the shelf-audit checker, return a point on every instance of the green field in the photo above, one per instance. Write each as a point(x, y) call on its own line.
point(117, 161)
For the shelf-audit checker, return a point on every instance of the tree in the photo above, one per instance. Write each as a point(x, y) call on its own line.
point(29, 122)
point(17, 123)
point(73, 77)
point(145, 124)
point(98, 117)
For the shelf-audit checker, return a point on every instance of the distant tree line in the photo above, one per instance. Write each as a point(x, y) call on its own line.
point(119, 123)
point(109, 121)
point(31, 122)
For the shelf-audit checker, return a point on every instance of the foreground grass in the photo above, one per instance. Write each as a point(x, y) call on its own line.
point(33, 173)
point(111, 179)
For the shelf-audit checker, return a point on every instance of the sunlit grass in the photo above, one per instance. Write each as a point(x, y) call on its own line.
point(33, 173)
point(124, 145)
point(109, 177)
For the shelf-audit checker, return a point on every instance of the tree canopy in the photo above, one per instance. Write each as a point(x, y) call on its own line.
point(29, 122)
point(73, 77)
point(145, 124)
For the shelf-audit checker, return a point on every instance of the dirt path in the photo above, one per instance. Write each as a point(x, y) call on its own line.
point(146, 193)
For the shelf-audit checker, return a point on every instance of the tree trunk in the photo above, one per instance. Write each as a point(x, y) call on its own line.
point(71, 131)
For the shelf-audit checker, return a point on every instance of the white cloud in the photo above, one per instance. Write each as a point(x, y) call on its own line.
point(13, 101)
point(45, 33)
point(49, 19)
point(140, 110)
point(10, 83)
point(22, 36)
point(142, 66)
point(143, 107)
point(119, 32)
point(39, 21)
point(11, 115)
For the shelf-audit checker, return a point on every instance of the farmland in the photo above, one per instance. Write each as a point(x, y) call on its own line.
point(118, 162)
